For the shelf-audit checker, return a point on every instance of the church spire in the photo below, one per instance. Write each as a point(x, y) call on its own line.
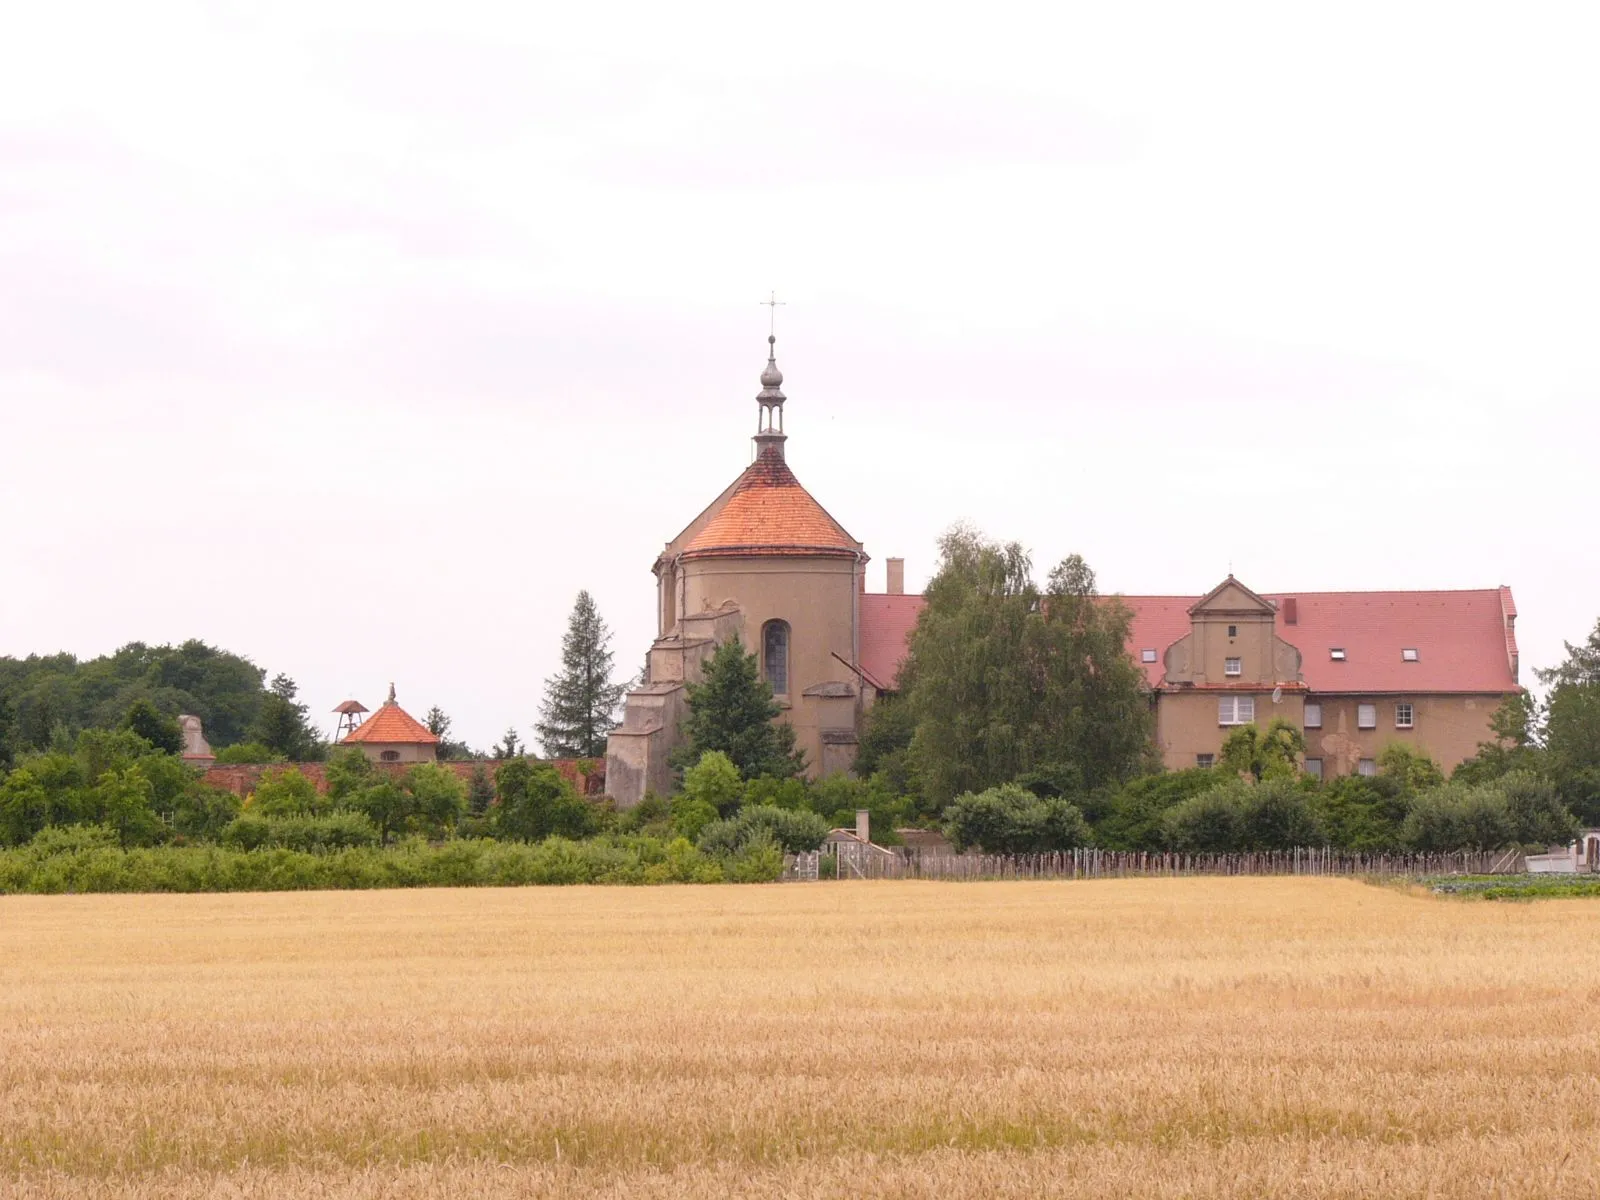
point(769, 424)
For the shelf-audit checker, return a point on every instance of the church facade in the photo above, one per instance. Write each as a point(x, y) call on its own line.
point(767, 563)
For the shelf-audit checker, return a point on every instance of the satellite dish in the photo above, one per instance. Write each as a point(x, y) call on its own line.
point(1277, 694)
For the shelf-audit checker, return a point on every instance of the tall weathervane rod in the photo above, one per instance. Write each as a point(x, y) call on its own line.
point(773, 305)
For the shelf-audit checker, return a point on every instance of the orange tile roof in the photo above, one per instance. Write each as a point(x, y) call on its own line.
point(770, 513)
point(391, 725)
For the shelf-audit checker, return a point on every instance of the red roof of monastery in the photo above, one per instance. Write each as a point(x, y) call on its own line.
point(391, 725)
point(770, 513)
point(1465, 640)
point(886, 625)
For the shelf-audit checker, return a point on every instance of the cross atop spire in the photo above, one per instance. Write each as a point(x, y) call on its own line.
point(773, 305)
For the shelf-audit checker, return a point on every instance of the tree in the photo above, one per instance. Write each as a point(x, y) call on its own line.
point(1273, 754)
point(349, 771)
point(281, 725)
point(580, 702)
point(385, 804)
point(24, 807)
point(534, 801)
point(438, 724)
point(162, 732)
point(1517, 728)
point(438, 798)
point(1539, 817)
point(732, 710)
point(480, 790)
point(288, 793)
point(1003, 678)
point(1412, 769)
point(510, 746)
point(1572, 727)
point(122, 800)
point(714, 781)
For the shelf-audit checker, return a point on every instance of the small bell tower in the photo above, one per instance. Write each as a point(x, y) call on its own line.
point(769, 424)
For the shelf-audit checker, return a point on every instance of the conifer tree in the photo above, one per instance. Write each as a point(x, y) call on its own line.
point(580, 703)
point(732, 710)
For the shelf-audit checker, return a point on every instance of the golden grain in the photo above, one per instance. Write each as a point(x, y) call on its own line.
point(1224, 1037)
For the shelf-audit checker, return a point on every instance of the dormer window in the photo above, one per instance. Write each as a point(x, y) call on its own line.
point(1409, 654)
point(1147, 655)
point(1336, 653)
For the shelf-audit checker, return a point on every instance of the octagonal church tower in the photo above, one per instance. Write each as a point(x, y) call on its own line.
point(765, 562)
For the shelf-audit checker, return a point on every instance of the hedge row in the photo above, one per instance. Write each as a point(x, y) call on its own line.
point(79, 859)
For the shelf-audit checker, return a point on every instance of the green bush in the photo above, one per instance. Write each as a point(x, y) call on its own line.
point(88, 859)
point(1275, 814)
point(759, 860)
point(791, 831)
point(335, 831)
point(1458, 817)
point(1010, 819)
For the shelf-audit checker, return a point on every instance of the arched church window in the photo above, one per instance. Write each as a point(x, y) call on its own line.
point(775, 655)
point(390, 756)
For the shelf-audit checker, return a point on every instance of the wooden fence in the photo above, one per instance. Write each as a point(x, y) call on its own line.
point(1120, 864)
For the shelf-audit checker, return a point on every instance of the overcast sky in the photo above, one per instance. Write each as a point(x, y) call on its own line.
point(358, 338)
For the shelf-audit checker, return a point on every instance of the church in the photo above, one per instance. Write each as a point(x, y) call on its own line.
point(767, 563)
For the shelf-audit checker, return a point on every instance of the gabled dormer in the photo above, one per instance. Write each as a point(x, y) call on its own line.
point(1232, 642)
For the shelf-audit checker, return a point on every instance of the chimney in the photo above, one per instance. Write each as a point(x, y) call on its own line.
point(863, 825)
point(1291, 611)
point(896, 568)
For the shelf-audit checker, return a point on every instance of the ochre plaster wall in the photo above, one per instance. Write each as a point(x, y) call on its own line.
point(1447, 727)
point(817, 597)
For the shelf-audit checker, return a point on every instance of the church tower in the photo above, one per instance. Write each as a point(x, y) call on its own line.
point(766, 563)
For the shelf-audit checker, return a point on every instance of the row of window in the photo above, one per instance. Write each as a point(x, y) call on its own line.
point(1405, 716)
point(1367, 766)
point(1241, 710)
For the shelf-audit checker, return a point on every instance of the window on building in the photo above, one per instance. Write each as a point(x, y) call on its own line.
point(1147, 655)
point(1403, 715)
point(1366, 716)
point(1233, 631)
point(1314, 768)
point(1367, 766)
point(1313, 716)
point(1336, 653)
point(1233, 666)
point(1204, 760)
point(1236, 710)
point(775, 655)
point(390, 756)
point(1409, 654)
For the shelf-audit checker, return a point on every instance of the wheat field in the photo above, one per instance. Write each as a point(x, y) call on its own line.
point(1222, 1037)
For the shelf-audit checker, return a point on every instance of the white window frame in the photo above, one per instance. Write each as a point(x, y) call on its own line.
point(1366, 716)
point(1315, 771)
point(1147, 655)
point(1236, 710)
point(1315, 707)
point(1367, 768)
point(1336, 653)
point(1409, 654)
point(1209, 760)
point(1410, 712)
point(1233, 666)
